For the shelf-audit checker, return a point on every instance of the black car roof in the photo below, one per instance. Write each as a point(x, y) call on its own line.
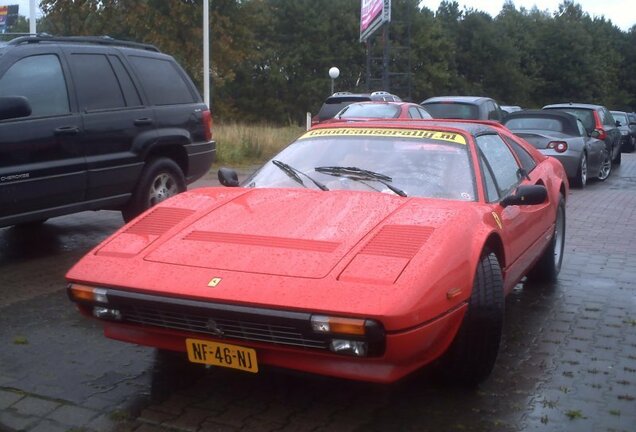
point(93, 40)
point(458, 99)
point(569, 120)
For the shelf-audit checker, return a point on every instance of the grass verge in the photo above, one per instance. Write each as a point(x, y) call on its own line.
point(244, 144)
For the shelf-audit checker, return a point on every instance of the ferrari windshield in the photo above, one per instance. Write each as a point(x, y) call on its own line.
point(402, 162)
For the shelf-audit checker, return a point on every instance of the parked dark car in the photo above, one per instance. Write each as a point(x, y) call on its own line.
point(337, 101)
point(599, 123)
point(510, 108)
point(91, 123)
point(381, 110)
point(563, 136)
point(463, 107)
point(628, 130)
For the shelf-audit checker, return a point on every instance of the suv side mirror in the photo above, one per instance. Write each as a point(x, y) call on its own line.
point(14, 107)
point(526, 195)
point(228, 177)
point(618, 123)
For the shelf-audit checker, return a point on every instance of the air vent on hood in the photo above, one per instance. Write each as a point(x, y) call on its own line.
point(258, 240)
point(398, 241)
point(159, 221)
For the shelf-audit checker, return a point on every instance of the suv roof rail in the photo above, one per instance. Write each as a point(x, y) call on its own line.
point(341, 93)
point(100, 40)
point(381, 92)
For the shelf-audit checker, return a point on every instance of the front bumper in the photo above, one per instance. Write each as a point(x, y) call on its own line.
point(280, 338)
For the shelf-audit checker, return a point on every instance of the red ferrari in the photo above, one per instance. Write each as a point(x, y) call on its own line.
point(361, 251)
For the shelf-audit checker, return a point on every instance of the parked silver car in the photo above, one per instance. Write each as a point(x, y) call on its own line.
point(563, 136)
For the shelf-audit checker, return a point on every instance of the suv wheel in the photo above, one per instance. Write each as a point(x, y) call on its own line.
point(161, 179)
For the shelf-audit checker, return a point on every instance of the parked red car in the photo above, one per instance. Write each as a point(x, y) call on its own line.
point(381, 110)
point(362, 250)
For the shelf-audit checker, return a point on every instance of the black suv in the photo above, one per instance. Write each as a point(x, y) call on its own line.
point(90, 123)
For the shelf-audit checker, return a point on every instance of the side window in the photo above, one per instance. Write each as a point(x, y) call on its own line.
point(41, 80)
point(527, 162)
point(609, 118)
point(499, 161)
point(493, 114)
point(414, 113)
point(162, 81)
point(130, 91)
point(582, 130)
point(90, 69)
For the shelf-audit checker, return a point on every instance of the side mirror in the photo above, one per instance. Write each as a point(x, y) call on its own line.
point(228, 177)
point(526, 195)
point(14, 107)
point(595, 134)
point(618, 123)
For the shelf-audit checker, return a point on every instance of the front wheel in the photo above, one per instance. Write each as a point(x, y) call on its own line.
point(161, 179)
point(471, 357)
point(549, 265)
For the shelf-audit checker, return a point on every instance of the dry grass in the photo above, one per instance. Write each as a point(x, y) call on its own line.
point(245, 144)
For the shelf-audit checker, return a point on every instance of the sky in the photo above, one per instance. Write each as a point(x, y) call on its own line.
point(621, 12)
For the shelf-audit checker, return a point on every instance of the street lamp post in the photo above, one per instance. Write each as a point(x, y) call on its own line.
point(334, 73)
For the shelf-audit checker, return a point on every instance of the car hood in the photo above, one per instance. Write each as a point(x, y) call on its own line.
point(278, 232)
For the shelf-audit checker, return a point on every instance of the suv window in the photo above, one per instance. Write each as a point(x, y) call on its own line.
point(162, 81)
point(130, 91)
point(95, 68)
point(39, 79)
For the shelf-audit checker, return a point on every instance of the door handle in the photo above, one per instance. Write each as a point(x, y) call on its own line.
point(66, 130)
point(145, 121)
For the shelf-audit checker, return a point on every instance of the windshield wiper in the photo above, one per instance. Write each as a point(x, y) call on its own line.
point(359, 174)
point(293, 173)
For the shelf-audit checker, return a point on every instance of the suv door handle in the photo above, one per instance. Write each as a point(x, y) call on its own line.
point(66, 130)
point(145, 121)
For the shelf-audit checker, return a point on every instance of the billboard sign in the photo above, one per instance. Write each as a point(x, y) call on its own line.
point(8, 15)
point(373, 13)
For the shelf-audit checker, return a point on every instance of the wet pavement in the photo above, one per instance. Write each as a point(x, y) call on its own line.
point(567, 363)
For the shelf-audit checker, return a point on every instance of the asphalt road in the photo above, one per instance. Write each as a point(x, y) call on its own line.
point(568, 361)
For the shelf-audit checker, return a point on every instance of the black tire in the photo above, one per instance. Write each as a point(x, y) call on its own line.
point(161, 179)
point(581, 174)
point(549, 265)
point(617, 159)
point(606, 168)
point(472, 355)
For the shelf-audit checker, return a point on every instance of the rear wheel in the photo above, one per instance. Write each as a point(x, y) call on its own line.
point(617, 159)
point(549, 265)
point(581, 175)
point(161, 179)
point(472, 355)
point(606, 168)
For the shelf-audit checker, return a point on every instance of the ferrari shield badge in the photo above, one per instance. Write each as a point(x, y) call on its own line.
point(214, 282)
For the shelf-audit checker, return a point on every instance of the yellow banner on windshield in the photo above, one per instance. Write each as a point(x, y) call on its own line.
point(386, 132)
